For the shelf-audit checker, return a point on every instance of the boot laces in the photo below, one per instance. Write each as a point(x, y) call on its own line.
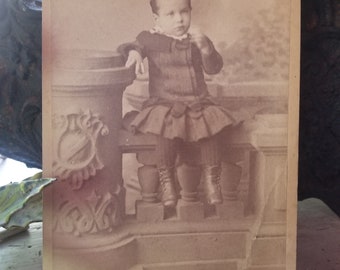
point(165, 180)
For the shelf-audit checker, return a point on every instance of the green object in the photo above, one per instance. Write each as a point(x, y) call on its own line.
point(21, 203)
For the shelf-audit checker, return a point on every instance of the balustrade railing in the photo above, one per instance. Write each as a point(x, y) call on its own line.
point(88, 201)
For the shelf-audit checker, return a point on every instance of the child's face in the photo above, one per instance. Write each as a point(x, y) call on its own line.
point(173, 17)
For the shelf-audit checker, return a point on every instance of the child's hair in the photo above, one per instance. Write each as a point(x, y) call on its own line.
point(155, 8)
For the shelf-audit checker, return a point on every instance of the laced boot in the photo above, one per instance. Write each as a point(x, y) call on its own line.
point(211, 184)
point(169, 194)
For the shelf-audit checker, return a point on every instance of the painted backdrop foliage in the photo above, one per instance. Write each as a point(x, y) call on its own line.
point(260, 53)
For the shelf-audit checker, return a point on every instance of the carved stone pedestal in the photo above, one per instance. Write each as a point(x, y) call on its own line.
point(88, 197)
point(230, 209)
point(149, 212)
point(86, 113)
point(190, 211)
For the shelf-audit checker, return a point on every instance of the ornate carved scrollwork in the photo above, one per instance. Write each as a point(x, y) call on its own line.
point(97, 213)
point(76, 155)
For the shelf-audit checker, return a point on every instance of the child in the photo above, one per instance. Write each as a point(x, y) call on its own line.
point(180, 108)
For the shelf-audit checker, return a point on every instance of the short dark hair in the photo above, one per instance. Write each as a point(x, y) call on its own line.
point(155, 8)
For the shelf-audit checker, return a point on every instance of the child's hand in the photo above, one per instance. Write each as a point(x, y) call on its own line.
point(201, 41)
point(136, 59)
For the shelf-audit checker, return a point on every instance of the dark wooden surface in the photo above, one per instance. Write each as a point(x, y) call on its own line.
point(23, 251)
point(318, 237)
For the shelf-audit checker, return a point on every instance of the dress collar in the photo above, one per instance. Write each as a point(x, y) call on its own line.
point(157, 29)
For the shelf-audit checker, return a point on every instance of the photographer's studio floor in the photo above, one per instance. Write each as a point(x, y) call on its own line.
point(318, 242)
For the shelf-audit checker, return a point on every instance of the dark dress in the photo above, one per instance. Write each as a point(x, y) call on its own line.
point(180, 105)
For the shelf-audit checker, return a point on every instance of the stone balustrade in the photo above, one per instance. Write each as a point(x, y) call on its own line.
point(89, 225)
point(264, 108)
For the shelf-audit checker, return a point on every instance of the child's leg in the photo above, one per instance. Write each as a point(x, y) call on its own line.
point(211, 151)
point(166, 156)
point(166, 151)
point(211, 161)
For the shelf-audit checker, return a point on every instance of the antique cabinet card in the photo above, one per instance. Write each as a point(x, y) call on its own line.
point(168, 169)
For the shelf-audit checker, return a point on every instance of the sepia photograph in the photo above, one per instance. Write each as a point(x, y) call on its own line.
point(171, 128)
